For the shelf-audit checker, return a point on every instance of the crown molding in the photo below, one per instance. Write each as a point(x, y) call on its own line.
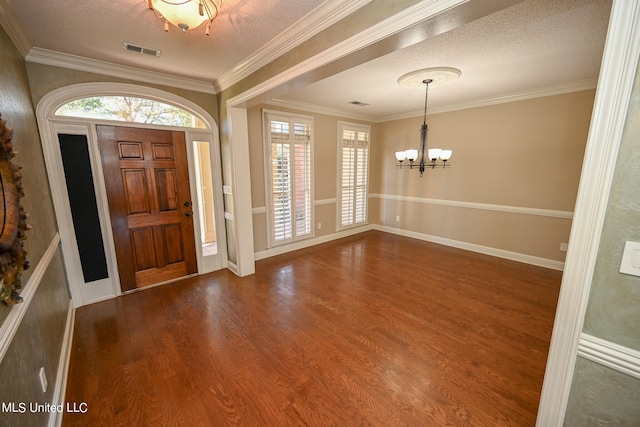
point(502, 99)
point(417, 13)
point(513, 97)
point(318, 109)
point(64, 60)
point(316, 21)
point(9, 22)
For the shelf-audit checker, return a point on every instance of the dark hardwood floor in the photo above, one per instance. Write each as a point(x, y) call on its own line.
point(374, 329)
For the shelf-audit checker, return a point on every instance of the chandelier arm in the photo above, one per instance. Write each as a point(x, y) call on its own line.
point(207, 8)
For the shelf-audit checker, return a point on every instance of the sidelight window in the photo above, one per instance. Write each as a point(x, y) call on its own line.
point(288, 147)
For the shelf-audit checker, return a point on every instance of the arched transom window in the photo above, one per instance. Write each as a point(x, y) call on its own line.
point(130, 109)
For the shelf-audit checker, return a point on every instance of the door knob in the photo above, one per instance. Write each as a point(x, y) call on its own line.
point(187, 204)
point(187, 213)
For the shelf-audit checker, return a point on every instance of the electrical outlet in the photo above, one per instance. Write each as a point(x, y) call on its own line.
point(563, 247)
point(319, 226)
point(397, 218)
point(43, 379)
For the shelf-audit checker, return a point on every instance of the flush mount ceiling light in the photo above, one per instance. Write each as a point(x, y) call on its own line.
point(186, 14)
point(426, 157)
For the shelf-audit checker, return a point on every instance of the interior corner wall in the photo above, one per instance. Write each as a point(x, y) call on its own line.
point(39, 336)
point(325, 170)
point(513, 179)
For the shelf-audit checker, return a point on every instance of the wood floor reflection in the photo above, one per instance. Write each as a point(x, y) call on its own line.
point(374, 329)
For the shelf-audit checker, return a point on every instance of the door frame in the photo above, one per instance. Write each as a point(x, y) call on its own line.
point(50, 125)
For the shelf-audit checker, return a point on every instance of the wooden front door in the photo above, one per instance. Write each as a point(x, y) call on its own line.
point(147, 180)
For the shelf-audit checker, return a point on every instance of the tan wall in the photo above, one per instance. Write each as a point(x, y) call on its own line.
point(356, 23)
point(325, 163)
point(524, 154)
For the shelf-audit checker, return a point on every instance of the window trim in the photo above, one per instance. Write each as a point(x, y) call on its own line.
point(342, 126)
point(267, 117)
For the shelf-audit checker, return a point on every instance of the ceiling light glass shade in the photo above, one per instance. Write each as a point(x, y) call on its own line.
point(401, 156)
point(434, 153)
point(411, 155)
point(187, 14)
point(446, 154)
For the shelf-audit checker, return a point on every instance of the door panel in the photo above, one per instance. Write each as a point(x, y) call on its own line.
point(135, 191)
point(166, 188)
point(146, 176)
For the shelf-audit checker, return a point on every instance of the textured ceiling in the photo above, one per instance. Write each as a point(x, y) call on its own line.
point(96, 29)
point(534, 44)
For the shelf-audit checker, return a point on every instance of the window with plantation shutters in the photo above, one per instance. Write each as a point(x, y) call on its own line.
point(353, 174)
point(288, 148)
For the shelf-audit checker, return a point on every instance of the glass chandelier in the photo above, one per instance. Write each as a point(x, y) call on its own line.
point(427, 157)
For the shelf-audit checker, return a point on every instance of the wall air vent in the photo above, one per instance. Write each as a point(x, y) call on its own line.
point(358, 103)
point(140, 49)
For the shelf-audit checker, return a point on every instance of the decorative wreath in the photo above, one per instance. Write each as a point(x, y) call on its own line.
point(13, 221)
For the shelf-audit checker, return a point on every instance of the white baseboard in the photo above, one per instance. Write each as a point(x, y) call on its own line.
point(55, 418)
point(514, 256)
point(500, 253)
point(279, 250)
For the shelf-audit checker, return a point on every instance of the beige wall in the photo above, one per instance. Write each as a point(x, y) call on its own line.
point(524, 154)
point(38, 339)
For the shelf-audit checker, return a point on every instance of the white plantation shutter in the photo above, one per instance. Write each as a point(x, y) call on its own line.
point(288, 151)
point(280, 180)
point(353, 174)
point(302, 176)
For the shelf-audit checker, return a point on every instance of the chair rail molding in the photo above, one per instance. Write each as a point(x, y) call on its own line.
point(611, 355)
point(480, 206)
point(12, 322)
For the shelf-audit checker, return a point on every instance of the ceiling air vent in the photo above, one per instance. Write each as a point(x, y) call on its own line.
point(141, 49)
point(358, 103)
